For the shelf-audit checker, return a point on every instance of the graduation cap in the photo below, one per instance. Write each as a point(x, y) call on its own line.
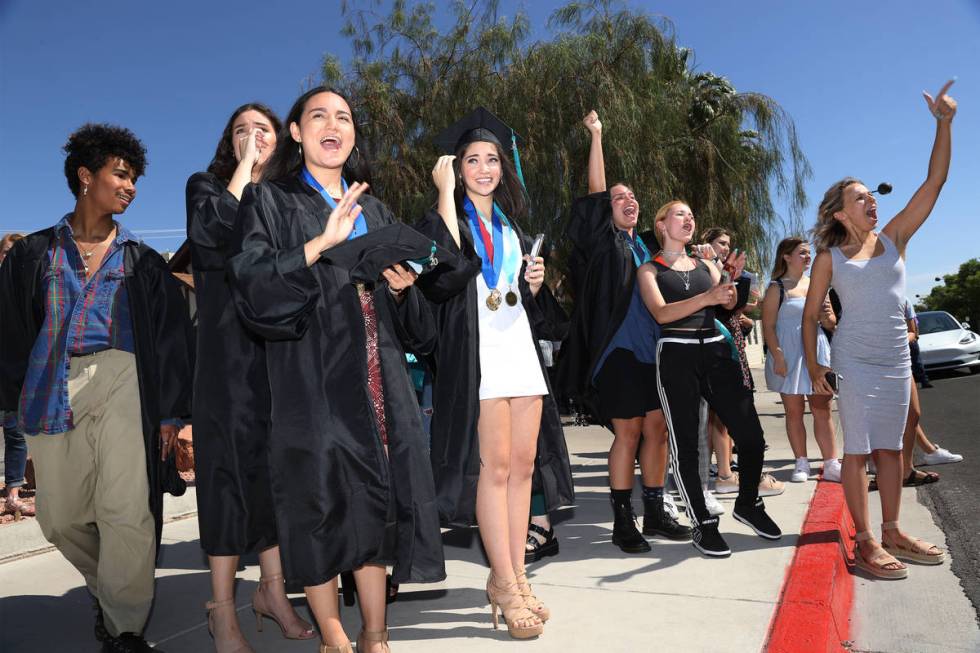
point(481, 125)
point(365, 257)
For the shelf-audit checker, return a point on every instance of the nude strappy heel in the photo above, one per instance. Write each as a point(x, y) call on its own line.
point(534, 604)
point(343, 648)
point(876, 566)
point(373, 636)
point(261, 610)
point(507, 596)
point(241, 646)
point(920, 551)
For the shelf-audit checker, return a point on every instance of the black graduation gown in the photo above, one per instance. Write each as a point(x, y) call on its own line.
point(231, 389)
point(456, 383)
point(605, 277)
point(339, 502)
point(162, 337)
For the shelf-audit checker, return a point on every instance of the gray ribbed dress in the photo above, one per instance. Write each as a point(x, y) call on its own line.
point(870, 350)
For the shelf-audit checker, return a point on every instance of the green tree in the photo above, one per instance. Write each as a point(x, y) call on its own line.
point(671, 132)
point(959, 294)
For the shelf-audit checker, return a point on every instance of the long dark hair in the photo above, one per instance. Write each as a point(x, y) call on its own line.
point(224, 162)
point(287, 159)
point(509, 193)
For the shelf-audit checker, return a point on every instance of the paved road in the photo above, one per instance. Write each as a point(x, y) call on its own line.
point(951, 417)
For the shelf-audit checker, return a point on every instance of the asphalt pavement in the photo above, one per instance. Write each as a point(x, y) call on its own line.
point(951, 418)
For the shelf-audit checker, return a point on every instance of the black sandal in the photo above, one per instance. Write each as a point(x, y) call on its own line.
point(538, 549)
point(914, 480)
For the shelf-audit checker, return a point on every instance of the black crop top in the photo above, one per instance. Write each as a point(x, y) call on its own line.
point(671, 285)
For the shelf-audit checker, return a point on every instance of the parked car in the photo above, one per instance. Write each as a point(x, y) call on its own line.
point(945, 343)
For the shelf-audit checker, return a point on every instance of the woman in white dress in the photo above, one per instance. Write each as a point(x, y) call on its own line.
point(786, 372)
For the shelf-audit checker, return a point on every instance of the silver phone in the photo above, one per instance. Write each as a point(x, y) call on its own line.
point(536, 247)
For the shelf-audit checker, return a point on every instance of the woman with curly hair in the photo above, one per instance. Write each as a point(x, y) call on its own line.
point(870, 355)
point(231, 392)
point(95, 349)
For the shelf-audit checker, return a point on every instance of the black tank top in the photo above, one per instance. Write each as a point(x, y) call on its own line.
point(671, 284)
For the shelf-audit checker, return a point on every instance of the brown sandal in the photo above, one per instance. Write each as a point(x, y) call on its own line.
point(878, 566)
point(533, 603)
point(507, 597)
point(262, 610)
point(920, 551)
point(373, 636)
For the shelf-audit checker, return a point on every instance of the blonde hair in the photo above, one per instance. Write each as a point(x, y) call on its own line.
point(829, 231)
point(785, 247)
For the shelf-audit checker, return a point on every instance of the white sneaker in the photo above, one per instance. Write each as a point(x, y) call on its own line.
point(711, 503)
point(831, 470)
point(802, 471)
point(939, 457)
point(670, 506)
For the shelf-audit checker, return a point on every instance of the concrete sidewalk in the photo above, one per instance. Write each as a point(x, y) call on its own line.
point(671, 599)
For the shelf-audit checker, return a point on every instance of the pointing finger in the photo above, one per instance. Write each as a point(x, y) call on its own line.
point(945, 88)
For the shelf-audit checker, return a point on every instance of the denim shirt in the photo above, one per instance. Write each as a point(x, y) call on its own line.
point(82, 316)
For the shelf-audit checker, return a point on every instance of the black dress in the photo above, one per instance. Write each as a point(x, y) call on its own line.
point(231, 389)
point(604, 275)
point(340, 502)
point(456, 382)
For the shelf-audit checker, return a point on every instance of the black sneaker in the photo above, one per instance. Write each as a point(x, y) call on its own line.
point(127, 643)
point(756, 518)
point(706, 539)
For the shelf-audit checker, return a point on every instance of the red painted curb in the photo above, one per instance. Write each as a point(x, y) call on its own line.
point(814, 608)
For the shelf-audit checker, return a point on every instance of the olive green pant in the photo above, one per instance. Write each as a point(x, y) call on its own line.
point(93, 493)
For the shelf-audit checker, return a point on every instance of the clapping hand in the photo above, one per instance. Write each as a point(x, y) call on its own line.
point(943, 107)
point(341, 220)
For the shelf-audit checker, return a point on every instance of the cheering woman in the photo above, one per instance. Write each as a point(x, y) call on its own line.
point(351, 482)
point(870, 354)
point(612, 350)
point(231, 392)
point(695, 361)
point(491, 396)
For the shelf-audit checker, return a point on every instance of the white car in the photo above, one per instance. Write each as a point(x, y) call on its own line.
point(945, 343)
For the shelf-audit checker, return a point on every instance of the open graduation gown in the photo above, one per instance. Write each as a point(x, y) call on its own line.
point(162, 337)
point(339, 501)
point(231, 388)
point(603, 288)
point(456, 382)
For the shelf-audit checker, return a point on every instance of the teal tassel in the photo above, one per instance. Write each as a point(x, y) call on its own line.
point(517, 158)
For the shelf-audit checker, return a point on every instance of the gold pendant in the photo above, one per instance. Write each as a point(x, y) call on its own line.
point(493, 300)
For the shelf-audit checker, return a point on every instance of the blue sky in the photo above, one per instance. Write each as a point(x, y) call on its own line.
point(849, 73)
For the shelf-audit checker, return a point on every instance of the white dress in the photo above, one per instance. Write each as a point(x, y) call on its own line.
point(509, 364)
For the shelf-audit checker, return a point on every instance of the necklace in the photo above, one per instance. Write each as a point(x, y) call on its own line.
point(671, 253)
point(685, 276)
point(87, 254)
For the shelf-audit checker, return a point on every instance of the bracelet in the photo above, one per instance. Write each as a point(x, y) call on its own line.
point(396, 293)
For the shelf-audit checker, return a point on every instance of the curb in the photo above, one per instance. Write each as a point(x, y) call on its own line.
point(814, 607)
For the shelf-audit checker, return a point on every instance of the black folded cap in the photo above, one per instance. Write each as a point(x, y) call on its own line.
point(365, 257)
point(477, 125)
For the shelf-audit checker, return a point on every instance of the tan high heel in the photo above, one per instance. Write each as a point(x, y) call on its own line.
point(242, 646)
point(507, 596)
point(373, 636)
point(343, 648)
point(261, 610)
point(534, 604)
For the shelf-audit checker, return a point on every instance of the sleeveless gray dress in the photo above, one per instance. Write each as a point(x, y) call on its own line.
point(870, 351)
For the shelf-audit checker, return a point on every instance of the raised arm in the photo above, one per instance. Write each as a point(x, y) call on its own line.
point(820, 276)
point(597, 165)
point(444, 176)
point(907, 222)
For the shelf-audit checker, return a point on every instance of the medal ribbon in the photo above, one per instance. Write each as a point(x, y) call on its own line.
point(360, 224)
point(639, 249)
point(487, 244)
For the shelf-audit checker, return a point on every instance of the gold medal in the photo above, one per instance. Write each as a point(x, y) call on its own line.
point(493, 300)
point(511, 298)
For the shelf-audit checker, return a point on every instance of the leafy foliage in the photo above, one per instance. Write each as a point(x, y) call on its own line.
point(669, 131)
point(959, 294)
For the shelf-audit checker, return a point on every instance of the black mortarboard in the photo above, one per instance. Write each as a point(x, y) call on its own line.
point(477, 125)
point(365, 257)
